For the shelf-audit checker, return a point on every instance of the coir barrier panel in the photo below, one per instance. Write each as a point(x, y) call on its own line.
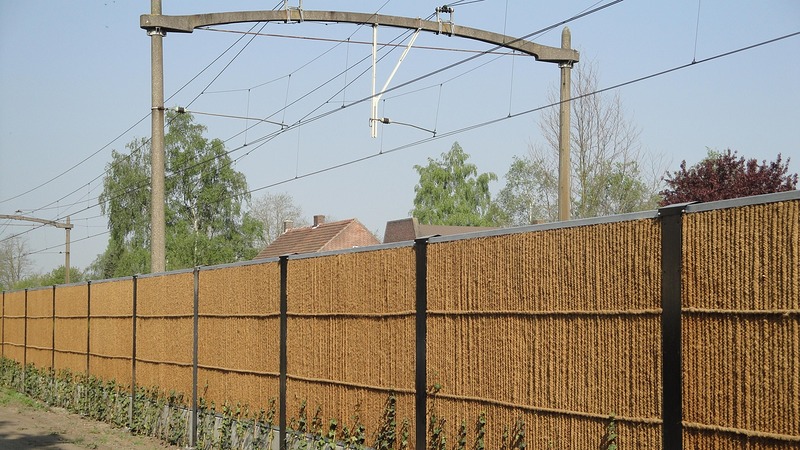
point(14, 326)
point(72, 328)
point(165, 332)
point(351, 335)
point(40, 327)
point(239, 335)
point(350, 406)
point(741, 327)
point(540, 429)
point(713, 438)
point(561, 325)
point(111, 330)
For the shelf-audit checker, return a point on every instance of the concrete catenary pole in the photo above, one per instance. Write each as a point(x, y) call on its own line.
point(157, 220)
point(66, 252)
point(563, 134)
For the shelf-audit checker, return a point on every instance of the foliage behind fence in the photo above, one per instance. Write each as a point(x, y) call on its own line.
point(546, 332)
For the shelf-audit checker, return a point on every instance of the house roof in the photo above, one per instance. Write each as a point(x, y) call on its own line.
point(409, 229)
point(321, 237)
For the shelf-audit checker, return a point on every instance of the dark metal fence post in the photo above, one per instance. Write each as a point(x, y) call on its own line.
point(133, 356)
point(3, 328)
point(53, 337)
point(671, 358)
point(25, 342)
point(421, 326)
point(284, 308)
point(193, 419)
point(88, 322)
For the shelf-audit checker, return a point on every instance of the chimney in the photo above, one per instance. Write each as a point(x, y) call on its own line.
point(319, 220)
point(287, 225)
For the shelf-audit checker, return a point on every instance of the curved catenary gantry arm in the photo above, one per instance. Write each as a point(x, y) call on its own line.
point(66, 226)
point(187, 24)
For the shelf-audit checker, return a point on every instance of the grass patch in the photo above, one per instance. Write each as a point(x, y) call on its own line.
point(10, 397)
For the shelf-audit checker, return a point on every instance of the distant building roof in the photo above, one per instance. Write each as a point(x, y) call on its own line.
point(409, 229)
point(320, 237)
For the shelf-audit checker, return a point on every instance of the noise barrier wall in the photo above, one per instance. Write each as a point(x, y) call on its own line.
point(547, 331)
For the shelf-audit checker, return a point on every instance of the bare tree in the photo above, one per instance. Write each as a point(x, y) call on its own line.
point(15, 264)
point(273, 210)
point(611, 174)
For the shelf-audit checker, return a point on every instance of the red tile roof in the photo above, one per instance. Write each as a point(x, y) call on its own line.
point(323, 237)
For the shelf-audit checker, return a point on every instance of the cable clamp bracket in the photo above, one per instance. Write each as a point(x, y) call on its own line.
point(157, 31)
point(289, 9)
point(449, 11)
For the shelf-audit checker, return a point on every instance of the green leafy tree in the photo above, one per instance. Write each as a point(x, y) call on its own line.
point(205, 216)
point(451, 192)
point(126, 201)
point(608, 164)
point(531, 191)
point(205, 219)
point(56, 276)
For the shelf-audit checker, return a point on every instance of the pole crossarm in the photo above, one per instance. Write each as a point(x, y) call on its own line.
point(188, 23)
point(68, 226)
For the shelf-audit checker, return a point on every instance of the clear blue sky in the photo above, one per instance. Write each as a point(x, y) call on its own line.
point(74, 76)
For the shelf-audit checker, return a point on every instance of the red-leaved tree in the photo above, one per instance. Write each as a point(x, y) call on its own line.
point(724, 175)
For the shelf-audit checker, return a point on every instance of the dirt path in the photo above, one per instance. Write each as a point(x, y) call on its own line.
point(28, 424)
